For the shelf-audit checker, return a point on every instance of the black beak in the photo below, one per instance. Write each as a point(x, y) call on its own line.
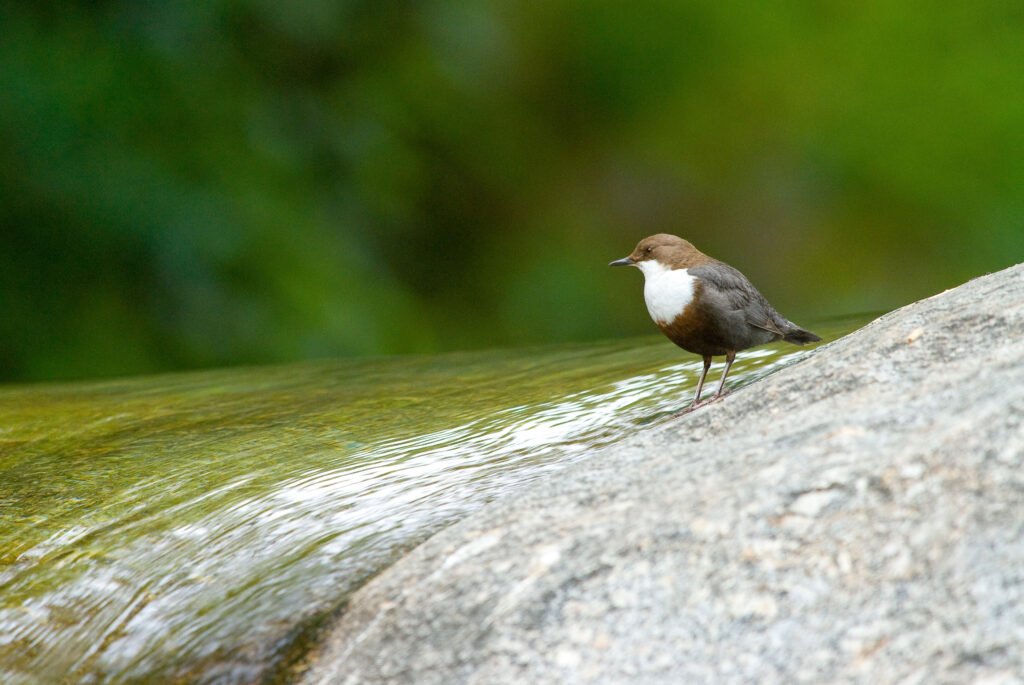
point(625, 261)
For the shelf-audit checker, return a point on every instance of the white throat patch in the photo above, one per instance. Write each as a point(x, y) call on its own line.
point(666, 291)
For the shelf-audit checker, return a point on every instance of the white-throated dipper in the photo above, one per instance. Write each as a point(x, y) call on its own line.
point(705, 306)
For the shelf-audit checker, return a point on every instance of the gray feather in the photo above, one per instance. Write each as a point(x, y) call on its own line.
point(727, 287)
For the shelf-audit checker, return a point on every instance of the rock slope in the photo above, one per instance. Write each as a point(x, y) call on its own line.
point(856, 517)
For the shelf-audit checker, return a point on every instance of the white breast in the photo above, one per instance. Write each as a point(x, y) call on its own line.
point(666, 291)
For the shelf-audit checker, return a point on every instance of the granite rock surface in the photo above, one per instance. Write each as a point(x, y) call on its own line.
point(855, 517)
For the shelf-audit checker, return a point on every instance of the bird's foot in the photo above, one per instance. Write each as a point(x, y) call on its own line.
point(719, 395)
point(692, 407)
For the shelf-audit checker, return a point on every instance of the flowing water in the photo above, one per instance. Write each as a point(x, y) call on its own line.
point(197, 527)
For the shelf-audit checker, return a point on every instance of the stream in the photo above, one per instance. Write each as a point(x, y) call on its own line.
point(199, 527)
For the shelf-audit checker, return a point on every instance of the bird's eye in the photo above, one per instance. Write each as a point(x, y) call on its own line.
point(648, 248)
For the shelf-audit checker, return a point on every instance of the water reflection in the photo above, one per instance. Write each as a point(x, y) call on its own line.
point(190, 526)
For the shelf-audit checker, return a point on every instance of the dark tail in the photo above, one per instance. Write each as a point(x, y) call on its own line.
point(799, 336)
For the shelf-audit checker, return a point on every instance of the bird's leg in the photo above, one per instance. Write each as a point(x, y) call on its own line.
point(700, 383)
point(730, 357)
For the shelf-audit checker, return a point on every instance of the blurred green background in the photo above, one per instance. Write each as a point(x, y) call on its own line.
point(186, 185)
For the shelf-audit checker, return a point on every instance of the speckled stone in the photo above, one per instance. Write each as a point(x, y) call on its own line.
point(855, 517)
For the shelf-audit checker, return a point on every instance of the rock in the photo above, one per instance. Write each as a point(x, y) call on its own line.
point(855, 517)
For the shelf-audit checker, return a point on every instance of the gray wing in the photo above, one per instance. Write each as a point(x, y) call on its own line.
point(730, 288)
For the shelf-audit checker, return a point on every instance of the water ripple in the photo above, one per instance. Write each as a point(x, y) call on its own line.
point(189, 526)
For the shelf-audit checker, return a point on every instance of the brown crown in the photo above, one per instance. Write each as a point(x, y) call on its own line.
point(670, 250)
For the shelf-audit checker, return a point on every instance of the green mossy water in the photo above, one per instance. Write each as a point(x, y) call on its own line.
point(188, 526)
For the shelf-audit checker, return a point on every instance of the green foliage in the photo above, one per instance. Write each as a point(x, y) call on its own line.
point(196, 184)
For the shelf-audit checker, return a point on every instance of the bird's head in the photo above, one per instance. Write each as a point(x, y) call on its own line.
point(661, 251)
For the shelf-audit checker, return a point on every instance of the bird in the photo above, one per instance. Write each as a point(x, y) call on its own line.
point(704, 305)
